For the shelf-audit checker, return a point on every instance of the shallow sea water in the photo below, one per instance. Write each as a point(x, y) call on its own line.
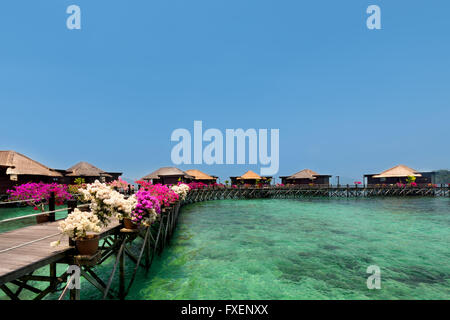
point(305, 249)
point(301, 249)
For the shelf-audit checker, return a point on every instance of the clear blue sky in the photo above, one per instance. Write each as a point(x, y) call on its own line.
point(347, 100)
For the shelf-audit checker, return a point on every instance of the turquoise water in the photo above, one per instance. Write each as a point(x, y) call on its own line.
point(301, 249)
point(7, 213)
point(306, 249)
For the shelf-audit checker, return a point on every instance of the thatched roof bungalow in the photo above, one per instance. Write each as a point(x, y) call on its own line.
point(89, 173)
point(16, 169)
point(199, 176)
point(250, 177)
point(168, 175)
point(306, 176)
point(399, 174)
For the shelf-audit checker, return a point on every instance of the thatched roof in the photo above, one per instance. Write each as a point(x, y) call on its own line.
point(198, 175)
point(250, 175)
point(398, 171)
point(19, 164)
point(84, 169)
point(304, 174)
point(167, 171)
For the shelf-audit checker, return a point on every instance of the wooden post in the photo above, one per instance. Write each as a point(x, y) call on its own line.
point(147, 254)
point(51, 206)
point(347, 191)
point(71, 205)
point(122, 277)
point(74, 294)
point(54, 279)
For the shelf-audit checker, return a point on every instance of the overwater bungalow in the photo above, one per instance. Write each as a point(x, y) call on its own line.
point(4, 179)
point(306, 176)
point(399, 174)
point(17, 169)
point(168, 175)
point(251, 178)
point(89, 173)
point(202, 177)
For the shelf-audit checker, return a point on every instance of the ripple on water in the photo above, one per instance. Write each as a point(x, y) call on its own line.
point(313, 249)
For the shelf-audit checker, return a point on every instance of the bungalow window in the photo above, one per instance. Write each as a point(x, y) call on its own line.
point(382, 179)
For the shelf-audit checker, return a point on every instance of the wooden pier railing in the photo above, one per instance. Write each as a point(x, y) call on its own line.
point(314, 191)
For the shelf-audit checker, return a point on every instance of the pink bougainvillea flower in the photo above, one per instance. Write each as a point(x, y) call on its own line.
point(39, 193)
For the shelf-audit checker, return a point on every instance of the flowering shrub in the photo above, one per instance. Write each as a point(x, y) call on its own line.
point(165, 195)
point(105, 202)
point(143, 207)
point(200, 185)
point(219, 185)
point(146, 209)
point(197, 185)
point(77, 225)
point(119, 183)
point(120, 206)
point(181, 190)
point(74, 189)
point(39, 193)
point(144, 184)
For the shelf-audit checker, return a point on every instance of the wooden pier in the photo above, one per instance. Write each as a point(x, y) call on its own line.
point(295, 192)
point(26, 250)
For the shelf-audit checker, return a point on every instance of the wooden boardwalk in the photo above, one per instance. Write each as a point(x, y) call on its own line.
point(25, 250)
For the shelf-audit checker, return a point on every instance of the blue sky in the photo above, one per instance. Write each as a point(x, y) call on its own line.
point(347, 100)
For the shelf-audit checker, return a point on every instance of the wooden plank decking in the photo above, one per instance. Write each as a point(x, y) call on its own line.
point(26, 258)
